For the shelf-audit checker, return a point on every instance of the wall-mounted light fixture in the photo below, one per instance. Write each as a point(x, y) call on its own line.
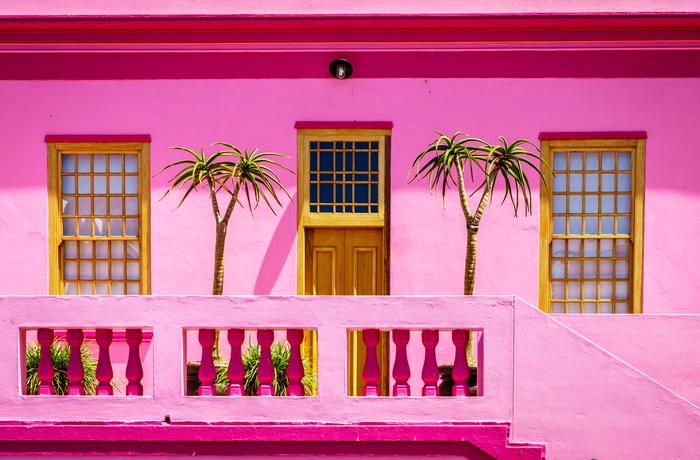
point(340, 69)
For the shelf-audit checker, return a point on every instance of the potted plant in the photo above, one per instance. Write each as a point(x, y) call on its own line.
point(60, 355)
point(469, 158)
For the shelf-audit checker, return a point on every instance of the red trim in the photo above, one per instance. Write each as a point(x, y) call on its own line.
point(117, 336)
point(97, 138)
point(592, 135)
point(343, 125)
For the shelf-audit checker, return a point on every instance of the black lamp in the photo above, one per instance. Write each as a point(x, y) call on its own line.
point(341, 69)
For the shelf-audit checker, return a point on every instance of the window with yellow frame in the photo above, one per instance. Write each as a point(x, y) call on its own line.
point(99, 195)
point(592, 214)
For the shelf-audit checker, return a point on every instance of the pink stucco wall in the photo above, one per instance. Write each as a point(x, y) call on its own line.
point(262, 113)
point(554, 385)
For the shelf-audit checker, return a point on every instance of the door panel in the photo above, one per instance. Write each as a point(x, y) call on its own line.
point(349, 261)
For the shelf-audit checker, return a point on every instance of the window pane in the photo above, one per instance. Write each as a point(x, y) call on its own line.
point(608, 225)
point(605, 288)
point(574, 269)
point(115, 163)
point(68, 207)
point(132, 270)
point(133, 289)
point(84, 206)
point(591, 225)
point(575, 225)
point(85, 270)
point(131, 164)
point(67, 163)
point(622, 248)
point(84, 163)
point(557, 290)
point(623, 183)
point(559, 225)
point(608, 204)
point(623, 204)
point(100, 226)
point(558, 248)
point(132, 206)
point(606, 247)
point(115, 227)
point(84, 226)
point(101, 288)
point(558, 270)
point(68, 185)
point(102, 270)
point(100, 163)
point(117, 249)
point(621, 308)
point(606, 268)
point(115, 184)
point(576, 161)
point(131, 185)
point(590, 268)
point(621, 290)
point(623, 225)
point(84, 185)
point(71, 288)
point(590, 248)
point(591, 161)
point(100, 185)
point(575, 204)
point(132, 227)
point(608, 160)
point(608, 182)
point(560, 183)
point(574, 248)
point(70, 249)
point(132, 250)
point(557, 307)
point(576, 183)
point(624, 160)
point(117, 288)
point(559, 161)
point(100, 206)
point(115, 206)
point(559, 204)
point(574, 290)
point(102, 249)
point(591, 183)
point(86, 249)
point(70, 270)
point(589, 308)
point(117, 270)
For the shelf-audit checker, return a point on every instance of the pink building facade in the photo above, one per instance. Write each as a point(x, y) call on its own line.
point(560, 385)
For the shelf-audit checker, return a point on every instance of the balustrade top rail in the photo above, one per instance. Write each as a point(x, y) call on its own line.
point(169, 319)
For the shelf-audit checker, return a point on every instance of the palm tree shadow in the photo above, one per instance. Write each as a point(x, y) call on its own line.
point(277, 251)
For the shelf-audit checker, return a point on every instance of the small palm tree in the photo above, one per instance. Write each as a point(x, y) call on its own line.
point(228, 171)
point(489, 162)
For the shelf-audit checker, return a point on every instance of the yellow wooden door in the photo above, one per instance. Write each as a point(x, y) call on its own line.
point(349, 261)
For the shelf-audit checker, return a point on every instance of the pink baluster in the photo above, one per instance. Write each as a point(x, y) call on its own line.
point(370, 373)
point(134, 370)
point(207, 371)
point(430, 373)
point(75, 372)
point(265, 370)
point(401, 371)
point(104, 373)
point(295, 370)
point(460, 369)
point(45, 372)
point(236, 372)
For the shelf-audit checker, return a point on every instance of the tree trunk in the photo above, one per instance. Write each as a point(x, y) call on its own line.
point(218, 286)
point(470, 261)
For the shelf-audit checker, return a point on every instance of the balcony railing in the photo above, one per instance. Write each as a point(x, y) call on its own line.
point(424, 331)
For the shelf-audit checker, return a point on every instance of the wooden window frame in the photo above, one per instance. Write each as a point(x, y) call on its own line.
point(599, 141)
point(92, 145)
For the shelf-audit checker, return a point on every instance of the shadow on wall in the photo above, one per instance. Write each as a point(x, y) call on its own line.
point(277, 250)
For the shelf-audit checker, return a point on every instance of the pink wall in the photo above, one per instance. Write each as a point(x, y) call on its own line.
point(93, 7)
point(661, 346)
point(262, 113)
point(555, 386)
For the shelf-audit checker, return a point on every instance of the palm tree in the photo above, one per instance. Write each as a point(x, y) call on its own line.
point(488, 162)
point(231, 171)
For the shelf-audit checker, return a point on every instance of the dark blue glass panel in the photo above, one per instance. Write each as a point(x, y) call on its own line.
point(338, 193)
point(313, 160)
point(361, 145)
point(348, 208)
point(361, 193)
point(348, 161)
point(374, 208)
point(326, 193)
point(348, 145)
point(361, 161)
point(313, 208)
point(375, 145)
point(338, 161)
point(326, 177)
point(348, 193)
point(313, 177)
point(338, 145)
point(326, 208)
point(313, 145)
point(374, 178)
point(361, 177)
point(375, 161)
point(313, 193)
point(339, 177)
point(374, 193)
point(338, 209)
point(361, 209)
point(326, 145)
point(348, 177)
point(326, 161)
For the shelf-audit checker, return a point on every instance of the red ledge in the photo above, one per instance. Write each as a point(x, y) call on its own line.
point(343, 125)
point(566, 136)
point(97, 138)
